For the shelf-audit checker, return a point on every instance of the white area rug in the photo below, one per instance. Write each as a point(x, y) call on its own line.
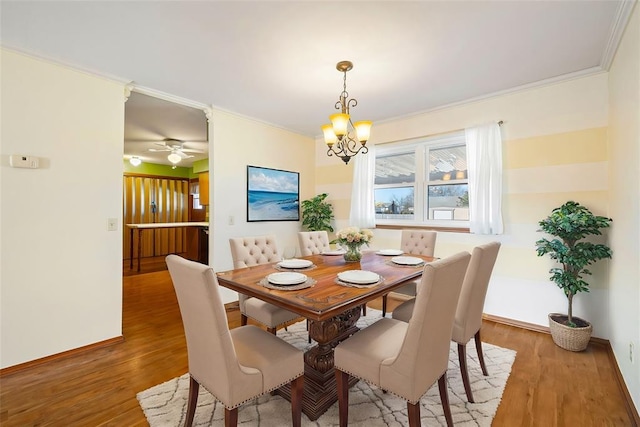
point(165, 404)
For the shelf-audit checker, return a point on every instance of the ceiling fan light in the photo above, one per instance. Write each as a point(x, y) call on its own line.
point(174, 158)
point(135, 161)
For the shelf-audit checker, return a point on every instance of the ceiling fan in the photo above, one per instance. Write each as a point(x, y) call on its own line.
point(176, 149)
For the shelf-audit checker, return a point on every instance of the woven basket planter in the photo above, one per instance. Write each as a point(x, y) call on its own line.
point(572, 339)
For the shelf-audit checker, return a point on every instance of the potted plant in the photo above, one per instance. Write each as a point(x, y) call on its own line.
point(570, 224)
point(317, 214)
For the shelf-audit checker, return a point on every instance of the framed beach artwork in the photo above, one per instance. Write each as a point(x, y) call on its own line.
point(272, 194)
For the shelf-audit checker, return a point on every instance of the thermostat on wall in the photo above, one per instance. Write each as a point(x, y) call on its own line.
point(19, 161)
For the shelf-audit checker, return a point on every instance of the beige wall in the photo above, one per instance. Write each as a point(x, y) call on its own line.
point(555, 149)
point(624, 196)
point(60, 269)
point(237, 142)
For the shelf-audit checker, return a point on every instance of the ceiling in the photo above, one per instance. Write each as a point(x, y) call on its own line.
point(275, 61)
point(152, 124)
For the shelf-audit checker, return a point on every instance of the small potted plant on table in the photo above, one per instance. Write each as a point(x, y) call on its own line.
point(570, 224)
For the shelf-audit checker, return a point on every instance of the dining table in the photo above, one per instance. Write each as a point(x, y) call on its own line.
point(331, 305)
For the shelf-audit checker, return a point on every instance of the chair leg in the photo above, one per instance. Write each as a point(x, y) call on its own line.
point(364, 309)
point(413, 411)
point(308, 336)
point(342, 384)
point(243, 320)
point(384, 305)
point(480, 353)
point(462, 358)
point(444, 397)
point(193, 400)
point(297, 386)
point(230, 417)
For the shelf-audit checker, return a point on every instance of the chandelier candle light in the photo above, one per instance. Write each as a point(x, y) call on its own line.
point(352, 238)
point(339, 135)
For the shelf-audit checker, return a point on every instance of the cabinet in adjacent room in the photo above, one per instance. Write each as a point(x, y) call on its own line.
point(203, 179)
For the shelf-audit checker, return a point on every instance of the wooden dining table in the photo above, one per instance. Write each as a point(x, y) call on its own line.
point(331, 306)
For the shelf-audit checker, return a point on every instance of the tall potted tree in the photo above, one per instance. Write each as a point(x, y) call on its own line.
point(569, 225)
point(317, 213)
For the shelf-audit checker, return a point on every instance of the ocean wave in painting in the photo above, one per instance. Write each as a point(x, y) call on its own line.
point(271, 205)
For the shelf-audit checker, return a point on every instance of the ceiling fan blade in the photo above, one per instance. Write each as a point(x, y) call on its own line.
point(192, 150)
point(182, 154)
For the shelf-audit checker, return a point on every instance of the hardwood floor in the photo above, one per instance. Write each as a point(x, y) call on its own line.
point(547, 387)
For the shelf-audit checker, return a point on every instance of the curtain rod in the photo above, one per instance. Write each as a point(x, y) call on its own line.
point(431, 135)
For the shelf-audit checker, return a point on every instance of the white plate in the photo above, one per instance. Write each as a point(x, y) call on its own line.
point(295, 263)
point(390, 252)
point(360, 277)
point(407, 260)
point(335, 252)
point(287, 278)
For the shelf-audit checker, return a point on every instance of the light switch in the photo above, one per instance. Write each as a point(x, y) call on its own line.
point(112, 224)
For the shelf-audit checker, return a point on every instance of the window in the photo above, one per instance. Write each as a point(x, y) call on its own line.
point(195, 192)
point(423, 182)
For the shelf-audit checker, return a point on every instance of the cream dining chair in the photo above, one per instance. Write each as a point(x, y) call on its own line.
point(249, 251)
point(413, 242)
point(406, 359)
point(468, 319)
point(236, 365)
point(313, 242)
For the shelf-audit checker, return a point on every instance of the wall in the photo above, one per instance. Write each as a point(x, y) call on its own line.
point(555, 149)
point(237, 142)
point(60, 271)
point(624, 134)
point(157, 170)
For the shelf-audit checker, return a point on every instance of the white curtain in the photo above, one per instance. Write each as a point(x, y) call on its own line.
point(484, 163)
point(363, 212)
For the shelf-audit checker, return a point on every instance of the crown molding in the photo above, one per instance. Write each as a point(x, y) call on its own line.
point(541, 83)
point(623, 14)
point(173, 98)
point(71, 66)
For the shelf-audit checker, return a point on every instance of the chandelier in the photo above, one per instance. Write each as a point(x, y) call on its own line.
point(344, 138)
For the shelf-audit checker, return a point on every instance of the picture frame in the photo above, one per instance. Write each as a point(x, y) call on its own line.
point(272, 194)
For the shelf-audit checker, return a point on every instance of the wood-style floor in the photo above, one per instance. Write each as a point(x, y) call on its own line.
point(547, 387)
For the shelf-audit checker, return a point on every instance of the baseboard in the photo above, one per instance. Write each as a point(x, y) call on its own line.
point(631, 409)
point(59, 356)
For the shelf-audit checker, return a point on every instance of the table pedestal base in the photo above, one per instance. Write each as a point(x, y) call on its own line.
point(320, 391)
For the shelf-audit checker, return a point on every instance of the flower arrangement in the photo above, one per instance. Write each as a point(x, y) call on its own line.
point(353, 238)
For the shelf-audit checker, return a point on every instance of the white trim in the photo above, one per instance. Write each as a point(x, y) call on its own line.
point(171, 98)
point(617, 30)
point(547, 82)
point(74, 67)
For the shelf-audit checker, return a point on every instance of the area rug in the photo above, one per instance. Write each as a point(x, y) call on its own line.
point(164, 405)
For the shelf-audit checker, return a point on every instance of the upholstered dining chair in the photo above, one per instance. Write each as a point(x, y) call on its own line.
point(313, 242)
point(235, 365)
point(414, 242)
point(468, 319)
point(248, 251)
point(406, 359)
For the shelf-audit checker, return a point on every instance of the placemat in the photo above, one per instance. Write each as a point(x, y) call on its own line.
point(405, 265)
point(357, 285)
point(311, 267)
point(307, 284)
